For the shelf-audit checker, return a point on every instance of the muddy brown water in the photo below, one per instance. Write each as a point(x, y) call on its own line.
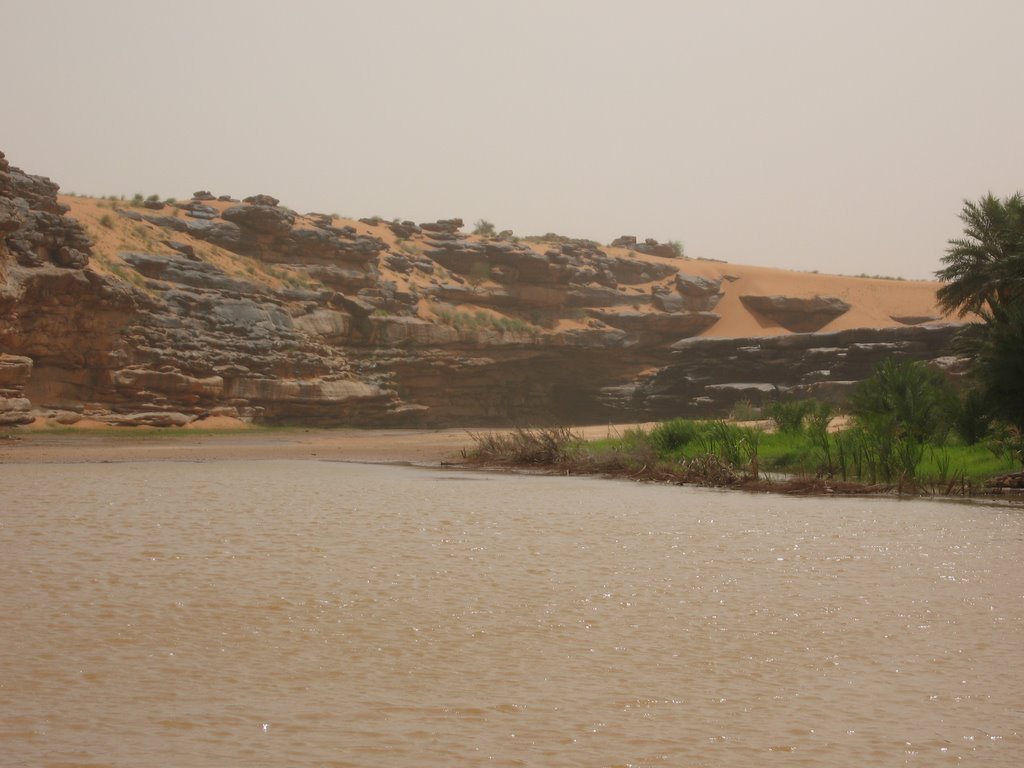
point(311, 613)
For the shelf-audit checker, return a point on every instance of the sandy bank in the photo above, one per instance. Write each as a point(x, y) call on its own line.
point(426, 447)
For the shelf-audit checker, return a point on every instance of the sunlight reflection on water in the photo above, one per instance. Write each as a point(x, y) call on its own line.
point(314, 613)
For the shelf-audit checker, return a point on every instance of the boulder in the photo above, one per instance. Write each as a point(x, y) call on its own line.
point(72, 258)
point(323, 246)
point(669, 302)
point(631, 272)
point(15, 412)
point(66, 418)
point(403, 230)
point(800, 315)
point(129, 214)
point(450, 226)
point(15, 371)
point(699, 294)
point(183, 271)
point(661, 324)
point(266, 200)
point(398, 263)
point(225, 234)
point(652, 247)
point(184, 249)
point(262, 219)
point(915, 319)
point(198, 209)
point(149, 419)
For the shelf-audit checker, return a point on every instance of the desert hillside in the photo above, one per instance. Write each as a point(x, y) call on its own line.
point(167, 312)
point(779, 301)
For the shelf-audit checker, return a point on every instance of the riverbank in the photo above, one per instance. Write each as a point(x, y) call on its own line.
point(100, 444)
point(243, 442)
point(722, 455)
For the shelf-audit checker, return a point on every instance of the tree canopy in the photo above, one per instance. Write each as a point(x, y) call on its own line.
point(1000, 365)
point(984, 269)
point(984, 274)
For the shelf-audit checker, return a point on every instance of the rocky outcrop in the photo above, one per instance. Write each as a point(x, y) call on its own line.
point(707, 376)
point(443, 226)
point(692, 294)
point(65, 319)
point(261, 219)
point(915, 319)
point(33, 225)
point(799, 315)
point(403, 230)
point(253, 310)
point(649, 246)
point(652, 325)
point(15, 408)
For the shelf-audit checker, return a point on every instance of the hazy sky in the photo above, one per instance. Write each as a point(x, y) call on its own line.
point(838, 136)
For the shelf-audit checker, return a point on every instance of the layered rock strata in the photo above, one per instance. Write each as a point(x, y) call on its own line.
point(709, 376)
point(215, 307)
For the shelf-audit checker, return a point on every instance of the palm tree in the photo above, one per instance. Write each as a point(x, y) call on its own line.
point(1000, 365)
point(902, 398)
point(984, 274)
point(985, 269)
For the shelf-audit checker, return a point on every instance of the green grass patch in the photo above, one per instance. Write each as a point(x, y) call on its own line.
point(723, 454)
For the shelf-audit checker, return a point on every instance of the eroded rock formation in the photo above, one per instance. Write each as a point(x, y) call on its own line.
point(215, 307)
point(15, 408)
point(711, 375)
point(799, 315)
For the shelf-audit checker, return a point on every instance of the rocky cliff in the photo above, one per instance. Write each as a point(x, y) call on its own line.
point(150, 312)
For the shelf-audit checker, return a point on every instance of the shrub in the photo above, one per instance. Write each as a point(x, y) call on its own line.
point(745, 410)
point(903, 397)
point(546, 446)
point(902, 406)
point(106, 220)
point(672, 435)
point(789, 415)
point(819, 416)
point(968, 415)
point(484, 228)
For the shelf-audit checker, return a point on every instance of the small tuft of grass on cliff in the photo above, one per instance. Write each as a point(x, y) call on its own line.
point(481, 320)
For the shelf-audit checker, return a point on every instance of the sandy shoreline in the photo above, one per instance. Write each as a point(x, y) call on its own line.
point(395, 446)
